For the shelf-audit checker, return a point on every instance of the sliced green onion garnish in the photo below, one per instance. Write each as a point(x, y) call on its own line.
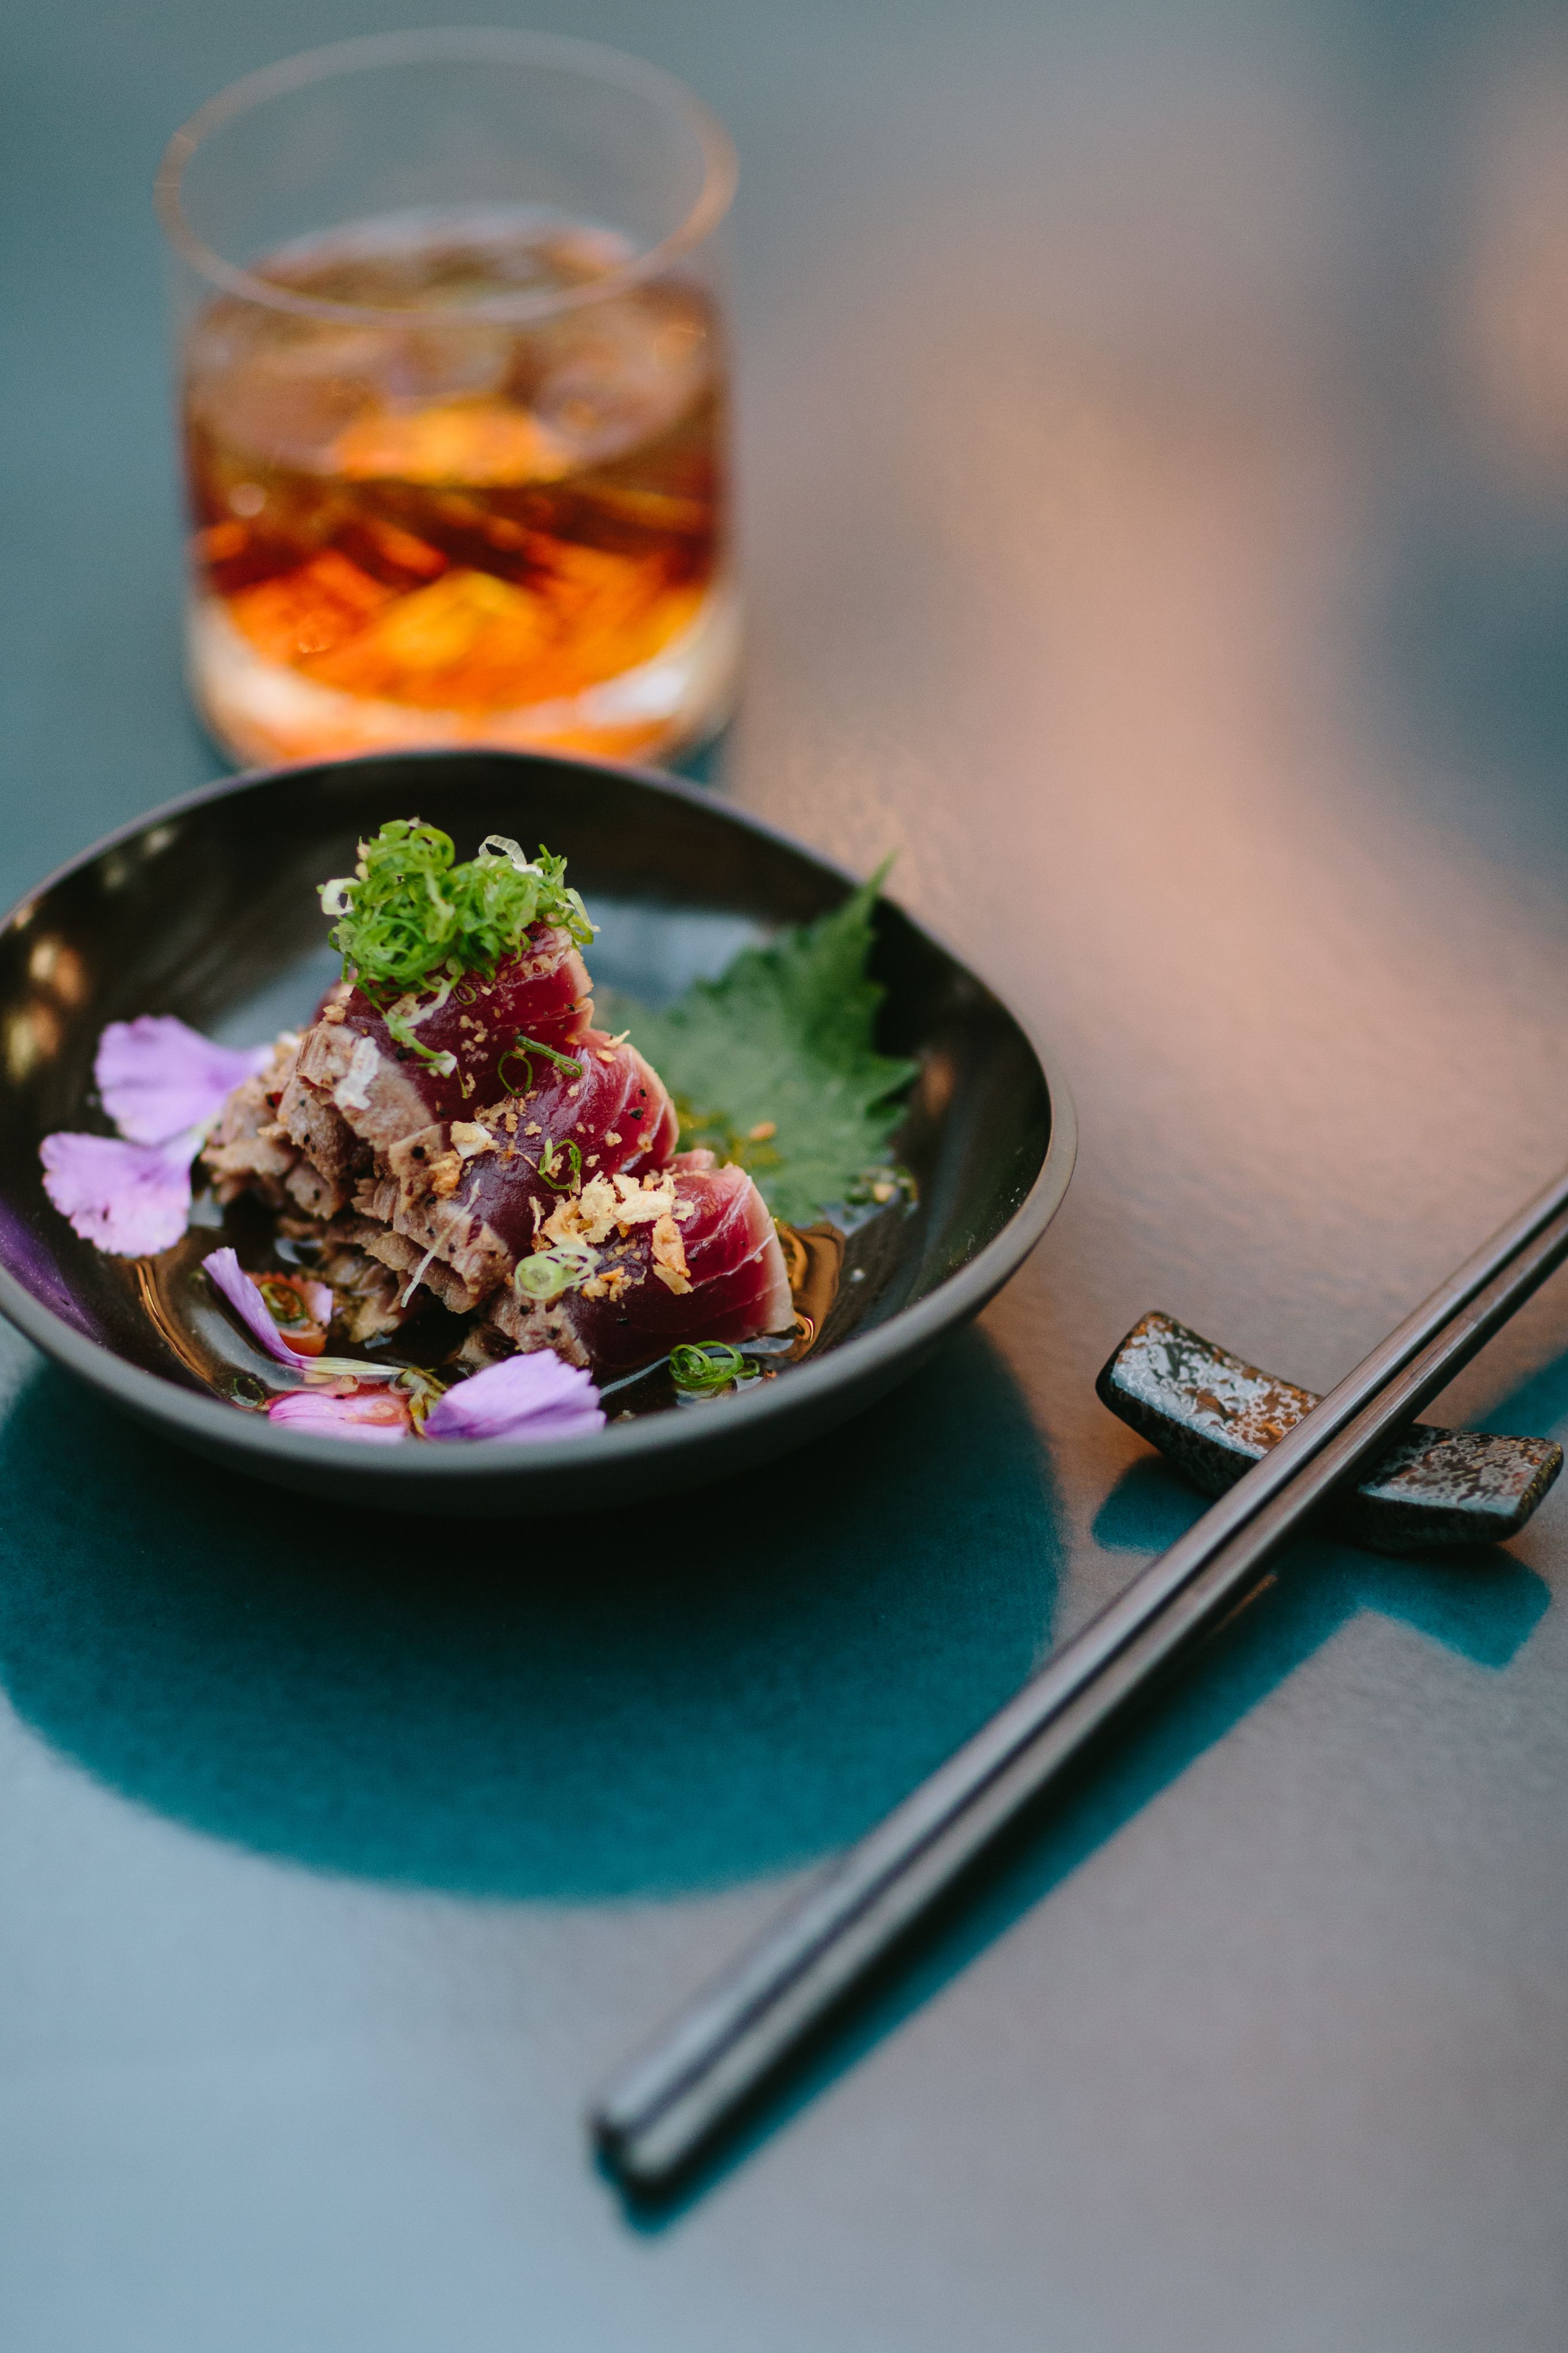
point(702, 1370)
point(524, 1051)
point(549, 1272)
point(549, 1159)
point(408, 915)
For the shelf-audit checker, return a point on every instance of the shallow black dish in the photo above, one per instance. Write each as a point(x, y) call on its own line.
point(208, 909)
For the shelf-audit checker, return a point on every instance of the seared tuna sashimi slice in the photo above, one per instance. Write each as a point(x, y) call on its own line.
point(356, 1080)
point(690, 1255)
point(476, 1191)
point(544, 994)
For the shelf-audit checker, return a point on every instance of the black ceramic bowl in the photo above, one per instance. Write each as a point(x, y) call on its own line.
point(208, 909)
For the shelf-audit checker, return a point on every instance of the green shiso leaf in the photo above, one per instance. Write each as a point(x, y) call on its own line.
point(783, 1035)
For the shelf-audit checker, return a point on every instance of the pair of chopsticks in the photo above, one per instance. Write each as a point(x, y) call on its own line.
point(672, 2100)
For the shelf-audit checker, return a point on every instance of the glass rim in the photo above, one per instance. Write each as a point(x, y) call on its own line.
point(480, 45)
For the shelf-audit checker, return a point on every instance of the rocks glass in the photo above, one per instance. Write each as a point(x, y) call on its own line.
point(452, 399)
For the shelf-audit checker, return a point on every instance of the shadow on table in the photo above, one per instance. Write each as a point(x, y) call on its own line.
point(1482, 1602)
point(711, 1688)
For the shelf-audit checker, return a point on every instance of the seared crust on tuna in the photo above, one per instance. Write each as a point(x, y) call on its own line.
point(520, 1326)
point(366, 1293)
point(691, 1254)
point(349, 1092)
point(406, 1258)
point(251, 1150)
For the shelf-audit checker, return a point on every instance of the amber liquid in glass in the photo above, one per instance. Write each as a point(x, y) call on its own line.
point(450, 526)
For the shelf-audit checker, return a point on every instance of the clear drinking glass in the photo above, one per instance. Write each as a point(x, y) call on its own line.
point(453, 400)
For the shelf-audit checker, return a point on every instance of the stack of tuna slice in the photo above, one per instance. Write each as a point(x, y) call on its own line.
point(519, 1165)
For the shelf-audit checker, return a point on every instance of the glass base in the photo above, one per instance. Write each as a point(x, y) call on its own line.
point(262, 712)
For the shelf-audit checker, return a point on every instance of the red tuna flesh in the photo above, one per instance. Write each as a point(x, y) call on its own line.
point(472, 1190)
point(351, 1071)
point(734, 1267)
point(544, 994)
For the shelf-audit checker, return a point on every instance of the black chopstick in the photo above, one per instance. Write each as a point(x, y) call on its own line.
point(668, 2102)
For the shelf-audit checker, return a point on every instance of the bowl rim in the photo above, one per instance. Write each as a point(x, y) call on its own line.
point(209, 1422)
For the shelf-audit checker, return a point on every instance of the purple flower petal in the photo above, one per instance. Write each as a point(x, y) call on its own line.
point(533, 1398)
point(381, 1418)
point(229, 1278)
point(132, 1199)
point(158, 1078)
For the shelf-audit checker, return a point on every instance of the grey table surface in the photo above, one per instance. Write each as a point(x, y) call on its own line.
point(1155, 455)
